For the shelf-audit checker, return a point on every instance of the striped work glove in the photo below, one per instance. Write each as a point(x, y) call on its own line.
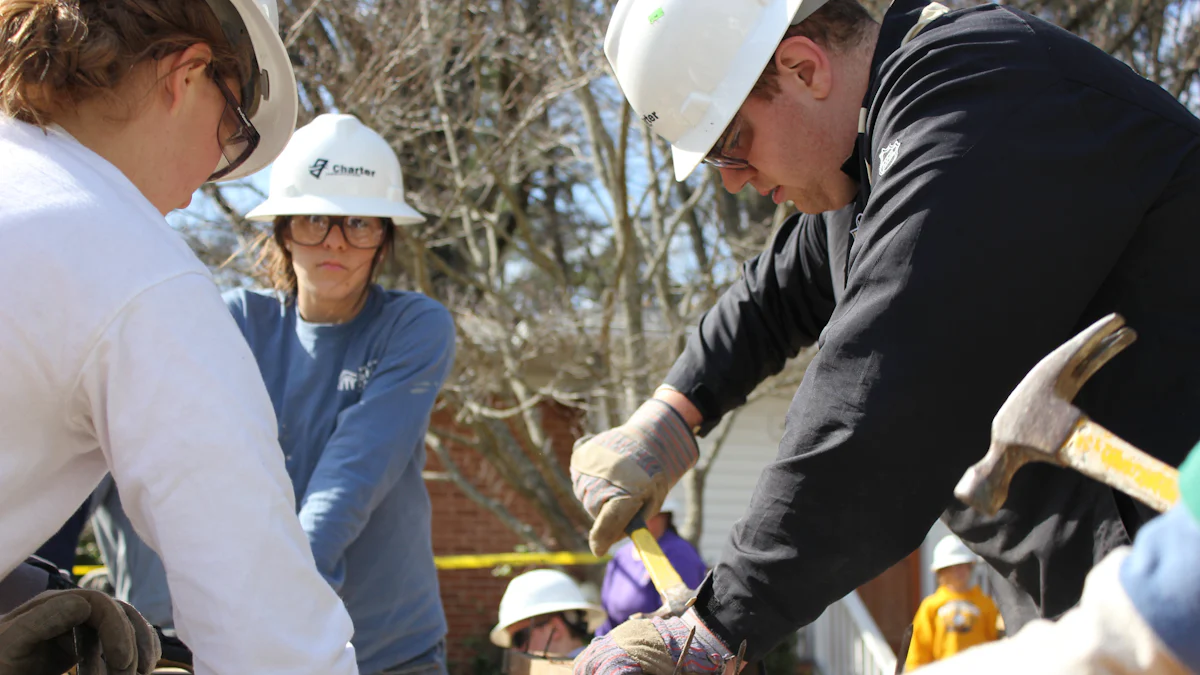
point(652, 646)
point(630, 469)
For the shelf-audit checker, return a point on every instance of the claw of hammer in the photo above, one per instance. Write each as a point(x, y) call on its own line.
point(1038, 424)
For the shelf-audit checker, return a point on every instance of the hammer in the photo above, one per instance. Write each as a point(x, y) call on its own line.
point(1038, 424)
point(667, 582)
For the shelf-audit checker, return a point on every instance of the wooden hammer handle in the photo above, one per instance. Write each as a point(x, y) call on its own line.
point(662, 572)
point(1100, 454)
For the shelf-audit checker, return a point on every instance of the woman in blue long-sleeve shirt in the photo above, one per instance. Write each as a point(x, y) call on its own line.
point(353, 372)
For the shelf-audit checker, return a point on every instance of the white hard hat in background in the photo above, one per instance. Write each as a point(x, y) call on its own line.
point(686, 66)
point(950, 552)
point(336, 166)
point(541, 592)
point(273, 87)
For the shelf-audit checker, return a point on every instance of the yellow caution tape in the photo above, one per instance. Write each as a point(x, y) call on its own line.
point(483, 561)
point(479, 561)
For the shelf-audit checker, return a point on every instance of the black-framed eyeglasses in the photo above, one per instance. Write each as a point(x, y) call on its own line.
point(237, 135)
point(520, 639)
point(720, 155)
point(358, 231)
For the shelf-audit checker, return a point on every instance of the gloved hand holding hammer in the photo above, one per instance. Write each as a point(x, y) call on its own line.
point(629, 470)
point(39, 636)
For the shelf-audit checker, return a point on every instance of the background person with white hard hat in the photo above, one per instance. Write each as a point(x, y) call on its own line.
point(627, 589)
point(543, 612)
point(958, 615)
point(977, 187)
point(117, 352)
point(1139, 614)
point(353, 371)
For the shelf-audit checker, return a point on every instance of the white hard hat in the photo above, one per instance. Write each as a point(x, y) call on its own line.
point(336, 166)
point(541, 592)
point(950, 552)
point(274, 103)
point(686, 66)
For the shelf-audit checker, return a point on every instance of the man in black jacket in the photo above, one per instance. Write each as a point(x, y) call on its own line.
point(1007, 185)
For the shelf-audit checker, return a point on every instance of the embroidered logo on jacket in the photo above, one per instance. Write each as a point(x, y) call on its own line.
point(887, 156)
point(356, 380)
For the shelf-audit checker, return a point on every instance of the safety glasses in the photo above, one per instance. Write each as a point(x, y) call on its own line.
point(520, 639)
point(358, 231)
point(721, 154)
point(237, 135)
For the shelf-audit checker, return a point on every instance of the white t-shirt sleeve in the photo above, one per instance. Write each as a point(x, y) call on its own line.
point(188, 430)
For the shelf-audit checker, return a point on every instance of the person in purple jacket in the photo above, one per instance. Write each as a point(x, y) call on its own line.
point(627, 589)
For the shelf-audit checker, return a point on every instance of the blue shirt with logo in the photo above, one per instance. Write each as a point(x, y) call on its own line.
point(353, 402)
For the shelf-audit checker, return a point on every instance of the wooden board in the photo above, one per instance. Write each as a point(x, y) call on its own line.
point(520, 663)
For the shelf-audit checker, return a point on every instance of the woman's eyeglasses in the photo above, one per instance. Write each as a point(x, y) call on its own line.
point(237, 135)
point(358, 231)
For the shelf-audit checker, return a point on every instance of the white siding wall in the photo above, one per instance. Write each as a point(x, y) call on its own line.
point(751, 445)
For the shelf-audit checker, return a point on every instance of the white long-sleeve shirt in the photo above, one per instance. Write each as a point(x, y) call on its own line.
point(118, 355)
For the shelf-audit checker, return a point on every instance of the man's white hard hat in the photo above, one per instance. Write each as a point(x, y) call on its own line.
point(541, 592)
point(274, 103)
point(686, 66)
point(337, 166)
point(950, 551)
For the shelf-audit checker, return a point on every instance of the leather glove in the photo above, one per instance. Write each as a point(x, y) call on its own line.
point(175, 654)
point(629, 470)
point(37, 638)
point(653, 646)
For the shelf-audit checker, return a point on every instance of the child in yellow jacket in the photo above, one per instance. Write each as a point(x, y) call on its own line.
point(955, 617)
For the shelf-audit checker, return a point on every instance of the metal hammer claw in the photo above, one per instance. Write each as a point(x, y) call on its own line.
point(1038, 424)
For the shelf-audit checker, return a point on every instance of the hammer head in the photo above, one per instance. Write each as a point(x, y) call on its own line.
point(1036, 420)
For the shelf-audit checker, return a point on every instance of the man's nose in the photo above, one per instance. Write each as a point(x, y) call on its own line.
point(733, 180)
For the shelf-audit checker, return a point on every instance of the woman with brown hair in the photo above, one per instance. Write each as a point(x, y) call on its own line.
point(117, 353)
point(353, 371)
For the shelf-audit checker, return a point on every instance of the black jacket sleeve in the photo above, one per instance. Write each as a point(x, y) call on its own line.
point(1004, 195)
point(779, 305)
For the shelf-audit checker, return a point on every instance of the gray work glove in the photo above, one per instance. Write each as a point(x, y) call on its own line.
point(38, 637)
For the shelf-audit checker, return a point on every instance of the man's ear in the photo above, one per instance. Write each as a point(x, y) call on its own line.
point(804, 65)
point(182, 73)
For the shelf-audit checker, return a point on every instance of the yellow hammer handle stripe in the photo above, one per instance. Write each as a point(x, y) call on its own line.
point(477, 561)
point(1101, 454)
point(662, 572)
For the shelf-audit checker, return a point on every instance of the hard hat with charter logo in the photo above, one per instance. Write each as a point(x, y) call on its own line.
point(686, 66)
point(268, 94)
point(336, 166)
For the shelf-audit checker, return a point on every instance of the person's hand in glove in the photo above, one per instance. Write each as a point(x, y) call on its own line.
point(653, 646)
point(623, 471)
point(37, 638)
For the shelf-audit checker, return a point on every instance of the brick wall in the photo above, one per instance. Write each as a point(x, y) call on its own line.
point(471, 597)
